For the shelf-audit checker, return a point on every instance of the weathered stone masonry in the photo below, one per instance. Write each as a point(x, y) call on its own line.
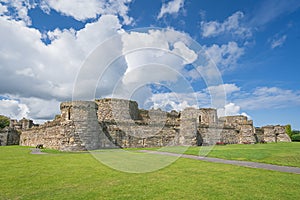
point(109, 123)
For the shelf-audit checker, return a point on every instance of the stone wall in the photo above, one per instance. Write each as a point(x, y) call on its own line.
point(9, 136)
point(117, 109)
point(275, 134)
point(244, 128)
point(57, 134)
point(109, 123)
point(77, 129)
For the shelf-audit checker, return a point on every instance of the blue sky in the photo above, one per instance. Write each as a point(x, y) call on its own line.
point(250, 49)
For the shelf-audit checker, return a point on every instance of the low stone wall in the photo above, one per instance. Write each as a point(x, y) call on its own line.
point(275, 134)
point(54, 135)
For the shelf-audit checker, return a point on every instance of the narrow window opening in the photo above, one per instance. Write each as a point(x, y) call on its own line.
point(69, 114)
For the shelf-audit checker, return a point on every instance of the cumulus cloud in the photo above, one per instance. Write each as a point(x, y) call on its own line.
point(277, 41)
point(13, 109)
point(154, 56)
point(83, 10)
point(45, 73)
point(223, 56)
point(31, 68)
point(178, 101)
point(170, 8)
point(31, 107)
point(232, 25)
point(231, 109)
point(42, 75)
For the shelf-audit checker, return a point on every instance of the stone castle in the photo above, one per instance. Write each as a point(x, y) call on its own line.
point(111, 123)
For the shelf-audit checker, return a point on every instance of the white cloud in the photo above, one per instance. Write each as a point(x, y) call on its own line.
point(231, 25)
point(170, 8)
point(13, 109)
point(83, 10)
point(231, 109)
point(178, 101)
point(19, 9)
point(46, 72)
point(41, 109)
point(278, 42)
point(41, 75)
point(32, 108)
point(156, 55)
point(269, 97)
point(228, 89)
point(225, 56)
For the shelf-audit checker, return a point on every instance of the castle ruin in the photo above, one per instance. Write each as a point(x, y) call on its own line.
point(111, 123)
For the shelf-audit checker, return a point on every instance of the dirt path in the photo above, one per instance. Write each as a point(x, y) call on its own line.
point(295, 170)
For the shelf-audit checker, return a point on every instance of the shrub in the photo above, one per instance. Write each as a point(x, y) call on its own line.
point(288, 130)
point(296, 138)
point(4, 121)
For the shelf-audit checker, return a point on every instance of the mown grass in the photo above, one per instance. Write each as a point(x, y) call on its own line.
point(287, 154)
point(283, 153)
point(59, 175)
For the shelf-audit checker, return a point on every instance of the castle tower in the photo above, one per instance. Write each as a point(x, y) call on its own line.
point(84, 116)
point(188, 127)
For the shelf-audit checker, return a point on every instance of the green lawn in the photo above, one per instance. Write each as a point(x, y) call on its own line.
point(80, 176)
point(274, 153)
point(283, 153)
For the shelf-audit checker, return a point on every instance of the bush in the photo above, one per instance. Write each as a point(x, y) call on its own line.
point(296, 138)
point(4, 121)
point(288, 130)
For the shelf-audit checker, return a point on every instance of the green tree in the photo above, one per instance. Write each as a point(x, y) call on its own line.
point(288, 130)
point(4, 121)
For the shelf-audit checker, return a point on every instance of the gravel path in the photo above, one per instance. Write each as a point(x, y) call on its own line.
point(295, 170)
point(36, 151)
